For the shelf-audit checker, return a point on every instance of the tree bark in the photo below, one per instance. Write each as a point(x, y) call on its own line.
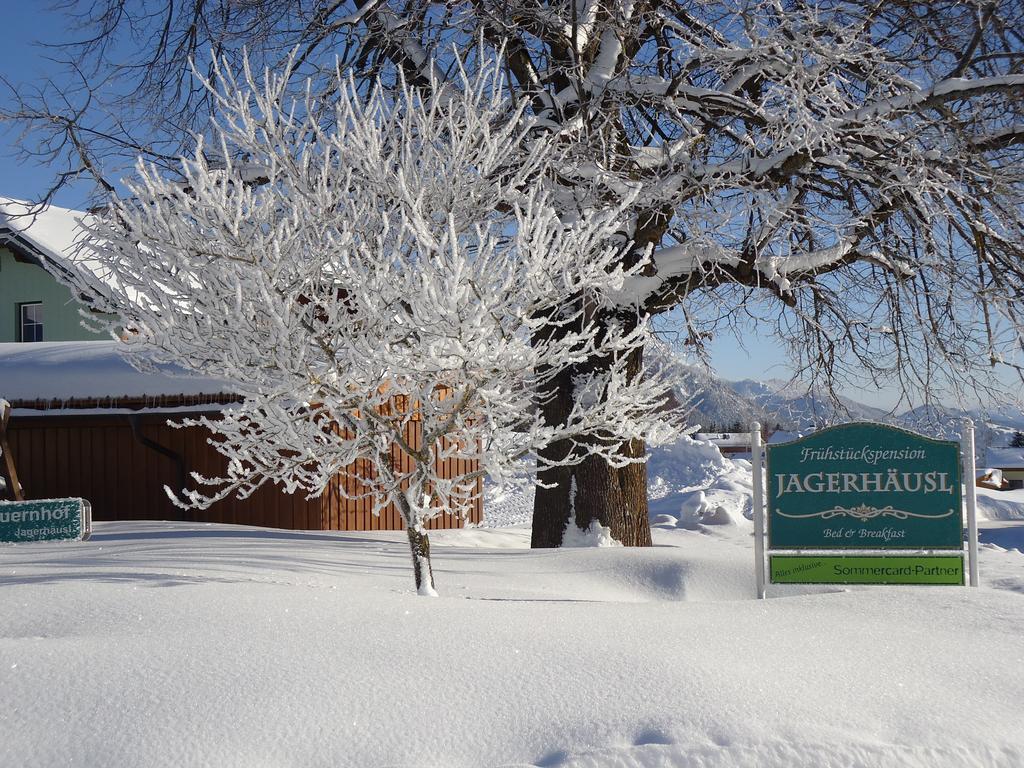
point(551, 504)
point(616, 498)
point(419, 546)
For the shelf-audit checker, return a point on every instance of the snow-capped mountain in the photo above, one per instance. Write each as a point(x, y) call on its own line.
point(715, 403)
point(992, 429)
point(795, 407)
point(720, 404)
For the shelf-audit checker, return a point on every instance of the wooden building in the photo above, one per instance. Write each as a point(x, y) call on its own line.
point(1008, 465)
point(35, 249)
point(118, 452)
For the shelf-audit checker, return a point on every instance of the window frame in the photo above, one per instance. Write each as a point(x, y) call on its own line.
point(21, 322)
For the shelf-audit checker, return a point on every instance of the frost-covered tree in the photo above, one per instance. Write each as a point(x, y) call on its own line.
point(391, 293)
point(845, 174)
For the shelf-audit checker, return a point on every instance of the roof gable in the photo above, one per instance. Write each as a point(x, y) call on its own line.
point(51, 237)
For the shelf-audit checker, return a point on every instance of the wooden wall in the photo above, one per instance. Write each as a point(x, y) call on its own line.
point(99, 458)
point(344, 514)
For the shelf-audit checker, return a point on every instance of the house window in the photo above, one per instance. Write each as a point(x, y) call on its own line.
point(30, 322)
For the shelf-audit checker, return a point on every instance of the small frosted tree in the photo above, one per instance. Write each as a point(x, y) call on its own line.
point(400, 261)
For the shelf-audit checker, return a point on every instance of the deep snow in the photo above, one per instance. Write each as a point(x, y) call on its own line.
point(169, 644)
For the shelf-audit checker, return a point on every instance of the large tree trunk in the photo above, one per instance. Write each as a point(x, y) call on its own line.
point(616, 498)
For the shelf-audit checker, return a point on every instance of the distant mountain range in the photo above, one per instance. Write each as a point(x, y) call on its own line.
point(795, 409)
point(719, 405)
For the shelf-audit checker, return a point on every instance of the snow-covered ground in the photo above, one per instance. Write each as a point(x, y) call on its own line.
point(170, 644)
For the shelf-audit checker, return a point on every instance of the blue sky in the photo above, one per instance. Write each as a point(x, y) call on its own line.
point(22, 61)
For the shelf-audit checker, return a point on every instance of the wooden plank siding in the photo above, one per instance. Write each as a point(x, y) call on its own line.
point(358, 512)
point(97, 457)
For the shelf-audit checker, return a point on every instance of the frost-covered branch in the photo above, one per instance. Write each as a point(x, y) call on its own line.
point(396, 293)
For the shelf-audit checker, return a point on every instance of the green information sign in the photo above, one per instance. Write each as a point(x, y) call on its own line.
point(867, 569)
point(864, 486)
point(46, 520)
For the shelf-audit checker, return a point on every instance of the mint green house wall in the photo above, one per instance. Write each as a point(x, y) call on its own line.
point(21, 282)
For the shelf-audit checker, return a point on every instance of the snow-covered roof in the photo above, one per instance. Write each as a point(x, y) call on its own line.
point(52, 236)
point(1005, 458)
point(68, 370)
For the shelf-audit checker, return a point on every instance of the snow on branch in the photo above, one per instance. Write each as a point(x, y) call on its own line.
point(403, 268)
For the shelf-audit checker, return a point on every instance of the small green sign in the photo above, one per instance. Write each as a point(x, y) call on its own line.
point(866, 569)
point(864, 486)
point(45, 520)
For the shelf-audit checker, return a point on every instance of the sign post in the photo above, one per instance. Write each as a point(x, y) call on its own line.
point(45, 520)
point(6, 457)
point(970, 474)
point(755, 453)
point(869, 488)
